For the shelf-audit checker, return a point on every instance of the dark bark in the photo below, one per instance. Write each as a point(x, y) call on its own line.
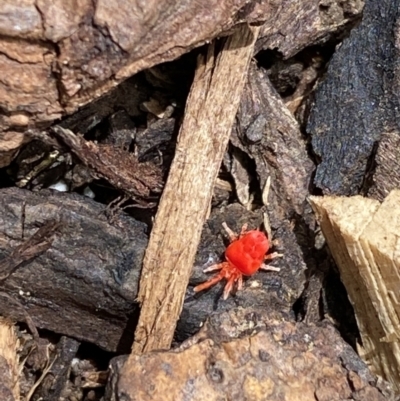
point(85, 284)
point(358, 101)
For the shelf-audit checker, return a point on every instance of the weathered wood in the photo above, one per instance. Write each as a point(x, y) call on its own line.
point(187, 195)
point(68, 53)
point(358, 100)
point(363, 236)
point(271, 136)
point(9, 366)
point(299, 24)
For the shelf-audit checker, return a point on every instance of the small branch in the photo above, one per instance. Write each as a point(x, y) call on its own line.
point(211, 108)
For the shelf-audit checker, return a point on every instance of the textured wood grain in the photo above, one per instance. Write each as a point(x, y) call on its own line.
point(363, 236)
point(386, 176)
point(202, 140)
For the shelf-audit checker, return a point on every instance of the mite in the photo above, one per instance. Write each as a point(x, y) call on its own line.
point(244, 256)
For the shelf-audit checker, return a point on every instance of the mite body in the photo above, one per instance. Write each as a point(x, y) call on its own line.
point(244, 256)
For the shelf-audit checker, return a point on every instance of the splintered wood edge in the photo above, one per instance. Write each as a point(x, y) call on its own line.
point(210, 112)
point(8, 357)
point(363, 237)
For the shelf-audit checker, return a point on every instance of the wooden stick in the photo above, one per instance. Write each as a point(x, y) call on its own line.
point(210, 111)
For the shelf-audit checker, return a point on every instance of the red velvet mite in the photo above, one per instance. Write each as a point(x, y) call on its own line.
point(244, 256)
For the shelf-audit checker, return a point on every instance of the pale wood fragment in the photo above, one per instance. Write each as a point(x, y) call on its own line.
point(9, 367)
point(211, 108)
point(364, 238)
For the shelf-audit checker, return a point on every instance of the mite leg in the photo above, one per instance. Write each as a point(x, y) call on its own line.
point(217, 266)
point(243, 230)
point(270, 268)
point(240, 282)
point(228, 287)
point(273, 255)
point(209, 283)
point(232, 235)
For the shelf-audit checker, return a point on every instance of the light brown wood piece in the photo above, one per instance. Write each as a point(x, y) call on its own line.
point(364, 238)
point(211, 108)
point(9, 368)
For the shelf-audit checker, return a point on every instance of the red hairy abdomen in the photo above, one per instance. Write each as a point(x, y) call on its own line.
point(247, 253)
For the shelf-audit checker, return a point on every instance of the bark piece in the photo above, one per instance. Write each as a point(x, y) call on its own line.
point(85, 284)
point(357, 102)
point(187, 195)
point(386, 176)
point(9, 366)
point(69, 53)
point(249, 355)
point(269, 133)
point(363, 237)
point(118, 166)
point(317, 22)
